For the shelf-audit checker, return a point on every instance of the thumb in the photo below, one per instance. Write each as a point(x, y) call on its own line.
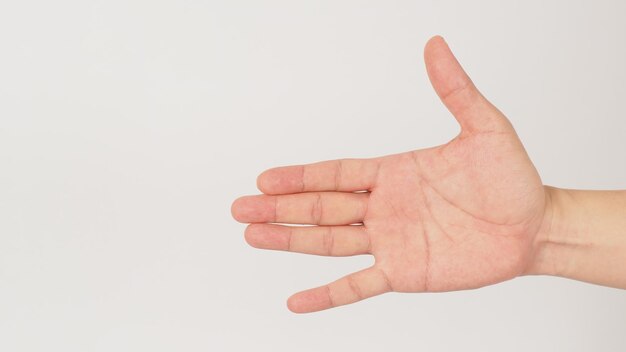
point(457, 91)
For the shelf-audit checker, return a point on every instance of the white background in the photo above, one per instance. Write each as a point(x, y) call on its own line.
point(128, 127)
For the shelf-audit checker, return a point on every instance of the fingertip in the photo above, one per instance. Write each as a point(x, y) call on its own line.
point(267, 236)
point(300, 303)
point(280, 180)
point(236, 208)
point(433, 49)
point(311, 300)
point(434, 40)
point(293, 306)
point(249, 209)
point(273, 181)
point(263, 182)
point(251, 235)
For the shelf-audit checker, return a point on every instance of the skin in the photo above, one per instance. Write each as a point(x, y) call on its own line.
point(463, 215)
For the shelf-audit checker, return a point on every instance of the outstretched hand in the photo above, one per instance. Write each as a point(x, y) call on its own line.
point(458, 216)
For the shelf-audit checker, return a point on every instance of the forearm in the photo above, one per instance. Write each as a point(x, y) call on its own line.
point(583, 237)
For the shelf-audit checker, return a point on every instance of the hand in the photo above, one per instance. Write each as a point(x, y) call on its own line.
point(458, 216)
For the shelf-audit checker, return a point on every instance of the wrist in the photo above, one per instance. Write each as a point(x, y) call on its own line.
point(551, 238)
point(582, 237)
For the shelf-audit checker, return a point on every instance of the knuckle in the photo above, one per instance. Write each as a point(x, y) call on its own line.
point(355, 288)
point(339, 164)
point(329, 241)
point(317, 210)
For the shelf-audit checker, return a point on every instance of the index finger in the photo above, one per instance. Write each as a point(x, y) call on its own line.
point(344, 175)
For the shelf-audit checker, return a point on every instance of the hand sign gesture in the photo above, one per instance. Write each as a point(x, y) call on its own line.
point(457, 216)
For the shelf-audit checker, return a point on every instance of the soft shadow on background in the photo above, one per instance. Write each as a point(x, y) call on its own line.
point(128, 127)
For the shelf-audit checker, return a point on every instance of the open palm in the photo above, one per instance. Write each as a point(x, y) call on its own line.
point(457, 216)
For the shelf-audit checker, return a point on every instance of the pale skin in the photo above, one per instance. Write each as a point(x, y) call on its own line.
point(466, 214)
